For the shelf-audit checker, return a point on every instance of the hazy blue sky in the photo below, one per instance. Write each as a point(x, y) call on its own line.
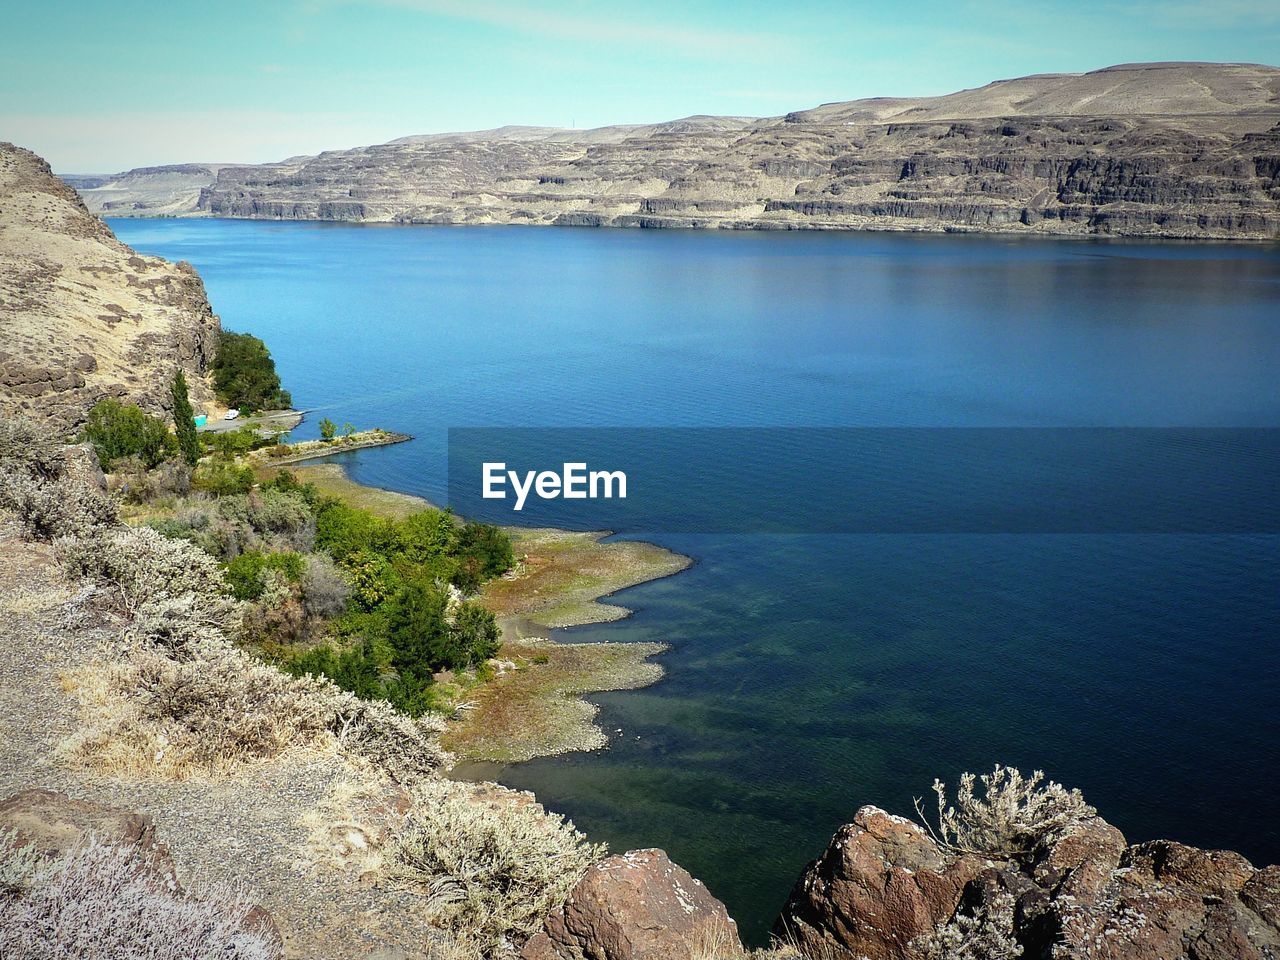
point(102, 86)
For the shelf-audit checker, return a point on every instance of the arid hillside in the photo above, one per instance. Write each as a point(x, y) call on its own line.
point(82, 316)
point(1160, 149)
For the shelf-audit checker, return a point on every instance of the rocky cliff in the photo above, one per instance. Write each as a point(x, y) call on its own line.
point(82, 316)
point(885, 890)
point(1163, 149)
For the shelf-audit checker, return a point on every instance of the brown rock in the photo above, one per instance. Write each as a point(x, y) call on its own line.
point(1080, 863)
point(1168, 901)
point(638, 906)
point(1261, 894)
point(80, 463)
point(880, 884)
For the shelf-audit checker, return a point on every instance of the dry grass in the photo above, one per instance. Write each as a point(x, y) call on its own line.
point(492, 870)
point(536, 710)
point(332, 480)
point(348, 829)
point(33, 601)
point(562, 575)
point(149, 715)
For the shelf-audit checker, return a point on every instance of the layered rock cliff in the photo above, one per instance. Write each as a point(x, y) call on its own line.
point(82, 316)
point(1167, 149)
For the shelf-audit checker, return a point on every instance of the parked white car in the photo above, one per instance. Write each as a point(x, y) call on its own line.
point(231, 415)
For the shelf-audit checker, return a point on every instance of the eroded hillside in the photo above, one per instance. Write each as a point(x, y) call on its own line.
point(83, 316)
point(1168, 149)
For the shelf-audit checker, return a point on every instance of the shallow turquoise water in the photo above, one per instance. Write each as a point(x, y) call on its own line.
point(808, 675)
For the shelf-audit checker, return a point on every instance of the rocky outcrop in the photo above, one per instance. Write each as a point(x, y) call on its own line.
point(883, 886)
point(637, 906)
point(83, 316)
point(1164, 149)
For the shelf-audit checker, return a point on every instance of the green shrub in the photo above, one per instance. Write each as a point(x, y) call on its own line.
point(373, 580)
point(477, 632)
point(328, 429)
point(420, 638)
point(427, 545)
point(342, 531)
point(484, 551)
point(273, 511)
point(245, 573)
point(244, 375)
point(222, 479)
point(119, 430)
point(235, 443)
point(287, 481)
point(184, 424)
point(396, 653)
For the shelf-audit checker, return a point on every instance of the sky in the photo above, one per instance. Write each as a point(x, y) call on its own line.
point(98, 87)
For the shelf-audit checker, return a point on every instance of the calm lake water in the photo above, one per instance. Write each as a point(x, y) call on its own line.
point(811, 674)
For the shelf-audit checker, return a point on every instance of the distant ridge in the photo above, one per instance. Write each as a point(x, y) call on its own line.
point(1188, 150)
point(1125, 90)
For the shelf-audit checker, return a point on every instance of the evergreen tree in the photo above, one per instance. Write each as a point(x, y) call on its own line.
point(184, 420)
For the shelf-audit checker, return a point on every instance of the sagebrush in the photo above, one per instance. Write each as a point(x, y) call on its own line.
point(493, 871)
point(1008, 817)
point(987, 934)
point(179, 696)
point(101, 902)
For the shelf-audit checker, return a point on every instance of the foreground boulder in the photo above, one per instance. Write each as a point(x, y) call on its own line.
point(884, 889)
point(881, 884)
point(637, 906)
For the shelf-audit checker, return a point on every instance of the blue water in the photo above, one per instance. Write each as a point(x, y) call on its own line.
point(811, 674)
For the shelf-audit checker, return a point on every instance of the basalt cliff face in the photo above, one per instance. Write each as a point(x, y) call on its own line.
point(1166, 149)
point(885, 890)
point(82, 316)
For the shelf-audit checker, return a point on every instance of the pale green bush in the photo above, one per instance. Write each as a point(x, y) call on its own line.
point(100, 903)
point(1010, 815)
point(188, 621)
point(19, 863)
point(55, 508)
point(29, 449)
point(325, 587)
point(205, 705)
point(142, 565)
point(986, 935)
point(493, 870)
